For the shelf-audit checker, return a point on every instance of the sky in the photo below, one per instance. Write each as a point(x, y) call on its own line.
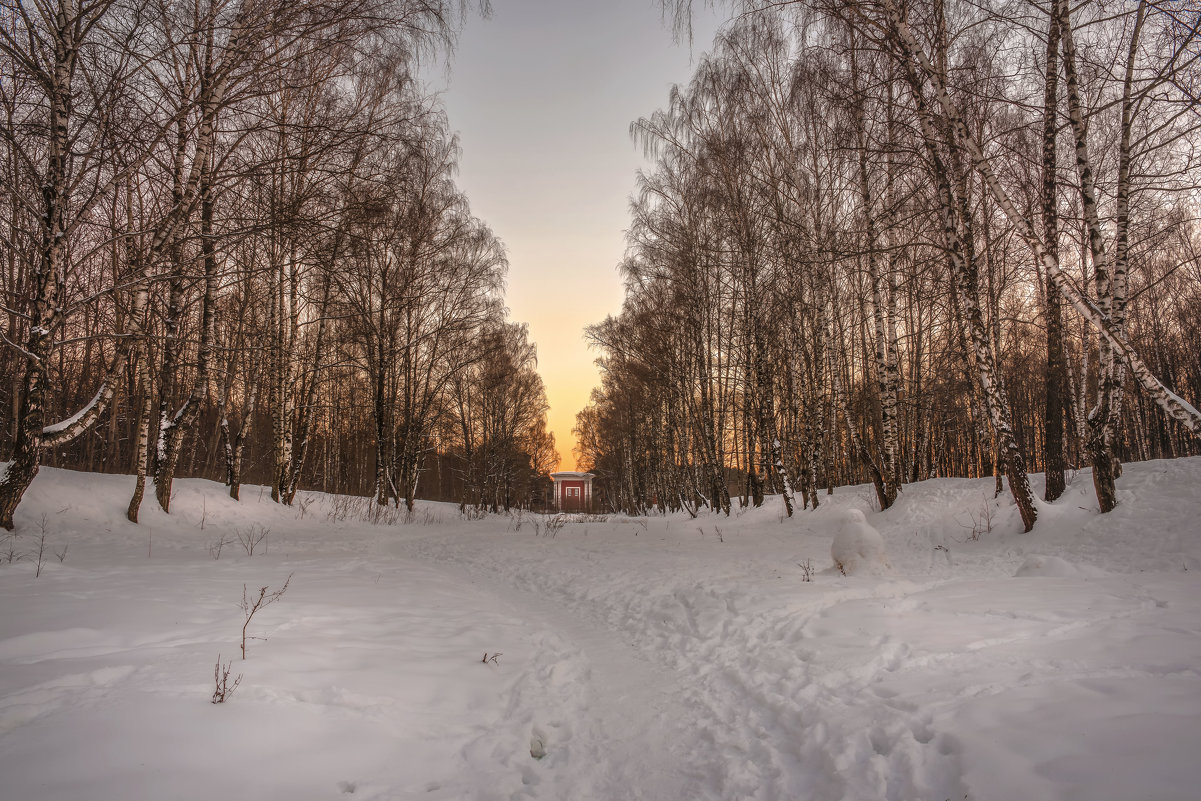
point(542, 95)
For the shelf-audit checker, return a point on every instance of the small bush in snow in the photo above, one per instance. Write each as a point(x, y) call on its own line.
point(9, 553)
point(982, 521)
point(858, 549)
point(303, 505)
point(381, 514)
point(340, 508)
point(216, 546)
point(223, 689)
point(252, 537)
point(806, 570)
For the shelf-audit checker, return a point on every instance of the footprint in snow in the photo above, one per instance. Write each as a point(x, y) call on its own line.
point(537, 744)
point(348, 788)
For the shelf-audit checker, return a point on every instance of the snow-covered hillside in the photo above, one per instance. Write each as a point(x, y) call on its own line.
point(659, 659)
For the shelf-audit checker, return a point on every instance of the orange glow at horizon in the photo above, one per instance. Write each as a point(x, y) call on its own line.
point(542, 96)
point(556, 321)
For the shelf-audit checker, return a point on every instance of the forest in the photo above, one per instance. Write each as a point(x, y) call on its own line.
point(886, 241)
point(233, 247)
point(875, 242)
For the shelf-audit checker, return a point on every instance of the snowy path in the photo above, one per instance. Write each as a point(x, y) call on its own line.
point(765, 713)
point(854, 689)
point(658, 659)
point(606, 716)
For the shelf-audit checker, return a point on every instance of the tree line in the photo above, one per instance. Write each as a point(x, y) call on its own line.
point(233, 247)
point(884, 241)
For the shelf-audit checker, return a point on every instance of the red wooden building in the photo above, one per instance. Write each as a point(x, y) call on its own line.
point(573, 491)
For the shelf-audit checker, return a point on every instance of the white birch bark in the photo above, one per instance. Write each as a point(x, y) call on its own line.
point(1172, 404)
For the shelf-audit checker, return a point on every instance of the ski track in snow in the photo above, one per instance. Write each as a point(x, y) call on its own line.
point(656, 659)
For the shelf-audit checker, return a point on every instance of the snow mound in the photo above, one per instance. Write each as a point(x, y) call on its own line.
point(858, 549)
point(1056, 567)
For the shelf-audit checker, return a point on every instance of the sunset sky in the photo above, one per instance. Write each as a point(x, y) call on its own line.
point(542, 95)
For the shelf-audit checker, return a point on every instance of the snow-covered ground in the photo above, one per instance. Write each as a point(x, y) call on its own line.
point(659, 659)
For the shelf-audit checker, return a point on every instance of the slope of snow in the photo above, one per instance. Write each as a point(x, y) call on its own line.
point(613, 658)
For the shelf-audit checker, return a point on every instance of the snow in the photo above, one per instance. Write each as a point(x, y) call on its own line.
point(858, 549)
point(1189, 409)
point(615, 658)
point(63, 425)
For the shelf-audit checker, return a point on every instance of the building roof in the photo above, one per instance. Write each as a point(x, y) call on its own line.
point(570, 474)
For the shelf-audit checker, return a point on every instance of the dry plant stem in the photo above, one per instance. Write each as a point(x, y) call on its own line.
point(223, 689)
point(251, 607)
point(41, 549)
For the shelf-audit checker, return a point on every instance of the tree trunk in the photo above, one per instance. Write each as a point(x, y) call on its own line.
point(967, 284)
point(1056, 368)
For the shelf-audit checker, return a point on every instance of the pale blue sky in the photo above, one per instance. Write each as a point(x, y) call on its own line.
point(542, 95)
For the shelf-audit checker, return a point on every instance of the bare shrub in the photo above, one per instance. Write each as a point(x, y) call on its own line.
point(807, 570)
point(303, 505)
point(223, 688)
point(981, 520)
point(340, 508)
point(367, 510)
point(380, 514)
point(250, 607)
point(252, 537)
point(9, 552)
point(219, 544)
point(554, 525)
